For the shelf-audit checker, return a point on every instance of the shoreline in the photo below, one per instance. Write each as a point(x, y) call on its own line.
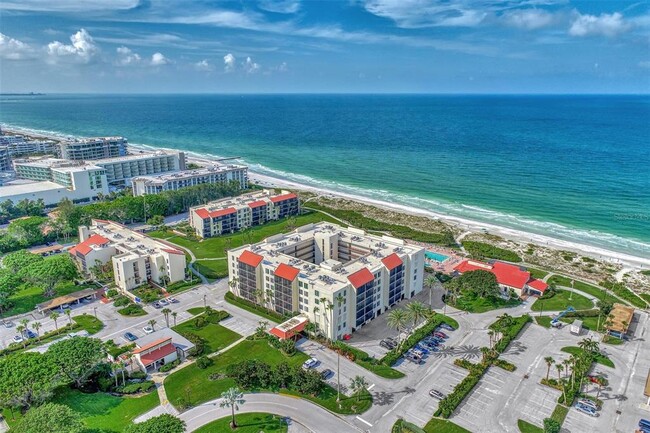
point(463, 224)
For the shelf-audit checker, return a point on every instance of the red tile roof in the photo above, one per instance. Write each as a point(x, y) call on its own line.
point(257, 203)
point(250, 258)
point(538, 285)
point(283, 335)
point(152, 344)
point(202, 213)
point(283, 197)
point(361, 277)
point(86, 246)
point(157, 354)
point(222, 212)
point(392, 261)
point(171, 251)
point(507, 274)
point(287, 272)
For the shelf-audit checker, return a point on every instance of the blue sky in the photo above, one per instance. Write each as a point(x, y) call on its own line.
point(437, 46)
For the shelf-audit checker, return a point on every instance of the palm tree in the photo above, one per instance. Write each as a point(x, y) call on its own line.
point(152, 323)
point(358, 385)
point(233, 283)
point(114, 368)
point(37, 326)
point(566, 364)
point(559, 368)
point(430, 281)
point(416, 311)
point(316, 311)
point(174, 315)
point(549, 361)
point(23, 323)
point(397, 319)
point(491, 335)
point(485, 352)
point(122, 368)
point(269, 298)
point(166, 312)
point(232, 398)
point(600, 381)
point(21, 329)
point(55, 316)
point(68, 313)
point(323, 303)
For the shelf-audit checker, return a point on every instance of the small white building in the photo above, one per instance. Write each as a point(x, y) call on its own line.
point(160, 348)
point(576, 327)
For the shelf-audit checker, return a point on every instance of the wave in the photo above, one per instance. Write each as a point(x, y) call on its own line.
point(465, 214)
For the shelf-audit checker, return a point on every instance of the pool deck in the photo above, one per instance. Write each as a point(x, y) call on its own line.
point(447, 266)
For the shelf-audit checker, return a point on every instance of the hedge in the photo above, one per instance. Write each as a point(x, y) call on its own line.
point(169, 366)
point(402, 426)
point(361, 358)
point(135, 388)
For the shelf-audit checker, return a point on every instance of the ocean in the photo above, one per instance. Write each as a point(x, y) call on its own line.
point(575, 168)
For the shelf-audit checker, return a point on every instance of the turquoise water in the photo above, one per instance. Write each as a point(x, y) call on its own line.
point(572, 167)
point(436, 256)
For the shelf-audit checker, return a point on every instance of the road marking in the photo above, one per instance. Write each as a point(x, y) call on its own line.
point(371, 387)
point(364, 421)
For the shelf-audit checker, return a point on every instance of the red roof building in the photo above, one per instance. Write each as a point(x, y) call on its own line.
point(154, 353)
point(283, 197)
point(256, 204)
point(506, 274)
point(290, 328)
point(361, 277)
point(392, 261)
point(202, 213)
point(287, 272)
point(85, 247)
point(538, 285)
point(250, 258)
point(222, 212)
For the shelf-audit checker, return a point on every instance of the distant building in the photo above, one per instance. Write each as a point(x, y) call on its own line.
point(509, 277)
point(55, 179)
point(173, 181)
point(339, 278)
point(120, 170)
point(18, 146)
point(137, 258)
point(94, 148)
point(232, 214)
point(5, 159)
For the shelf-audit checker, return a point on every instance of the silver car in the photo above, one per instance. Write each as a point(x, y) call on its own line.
point(436, 394)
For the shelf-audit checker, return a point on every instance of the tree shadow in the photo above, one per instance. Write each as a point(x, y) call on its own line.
point(515, 348)
point(465, 351)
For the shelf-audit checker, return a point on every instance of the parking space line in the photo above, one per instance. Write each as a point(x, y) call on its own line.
point(364, 421)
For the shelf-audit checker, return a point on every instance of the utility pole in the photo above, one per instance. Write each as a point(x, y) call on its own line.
point(205, 302)
point(338, 376)
point(95, 309)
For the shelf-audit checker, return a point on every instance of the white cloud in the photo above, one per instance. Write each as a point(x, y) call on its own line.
point(283, 67)
point(604, 24)
point(529, 19)
point(280, 6)
point(250, 66)
point(203, 66)
point(126, 57)
point(229, 62)
point(13, 49)
point(158, 59)
point(68, 5)
point(428, 13)
point(82, 49)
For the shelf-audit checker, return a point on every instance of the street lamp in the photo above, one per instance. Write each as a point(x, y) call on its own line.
point(338, 376)
point(205, 301)
point(95, 310)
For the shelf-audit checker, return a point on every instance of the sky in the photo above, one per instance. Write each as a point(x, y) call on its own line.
point(303, 46)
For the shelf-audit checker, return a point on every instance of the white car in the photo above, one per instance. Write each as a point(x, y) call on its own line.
point(586, 410)
point(18, 339)
point(147, 329)
point(310, 363)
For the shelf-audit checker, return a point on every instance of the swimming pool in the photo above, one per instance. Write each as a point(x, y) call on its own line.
point(435, 256)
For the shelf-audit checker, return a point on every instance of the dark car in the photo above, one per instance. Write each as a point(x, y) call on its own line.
point(130, 337)
point(326, 373)
point(156, 304)
point(30, 333)
point(388, 344)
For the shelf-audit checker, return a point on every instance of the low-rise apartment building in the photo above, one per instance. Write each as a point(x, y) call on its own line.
point(509, 277)
point(339, 278)
point(94, 148)
point(5, 159)
point(120, 170)
point(18, 146)
point(136, 258)
point(235, 213)
point(172, 181)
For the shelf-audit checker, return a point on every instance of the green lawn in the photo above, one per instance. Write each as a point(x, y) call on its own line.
point(561, 301)
point(196, 310)
point(106, 413)
point(438, 425)
point(559, 413)
point(212, 269)
point(588, 322)
point(247, 423)
point(600, 358)
point(195, 386)
point(216, 336)
point(481, 305)
point(27, 297)
point(526, 427)
point(89, 323)
point(537, 273)
point(594, 291)
point(216, 247)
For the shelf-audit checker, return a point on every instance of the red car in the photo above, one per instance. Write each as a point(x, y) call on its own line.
point(346, 337)
point(440, 334)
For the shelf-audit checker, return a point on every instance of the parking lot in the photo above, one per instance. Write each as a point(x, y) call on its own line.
point(540, 403)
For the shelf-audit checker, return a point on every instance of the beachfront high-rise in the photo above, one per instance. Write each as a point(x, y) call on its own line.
point(120, 170)
point(94, 148)
point(136, 258)
point(18, 146)
point(340, 278)
point(5, 159)
point(173, 181)
point(232, 214)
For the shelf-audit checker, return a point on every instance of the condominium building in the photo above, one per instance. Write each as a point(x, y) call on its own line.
point(54, 179)
point(120, 170)
point(235, 213)
point(339, 278)
point(5, 159)
point(18, 146)
point(137, 258)
point(94, 148)
point(173, 181)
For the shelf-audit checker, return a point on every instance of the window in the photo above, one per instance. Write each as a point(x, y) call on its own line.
point(316, 293)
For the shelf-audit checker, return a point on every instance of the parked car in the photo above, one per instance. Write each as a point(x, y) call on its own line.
point(440, 334)
point(436, 394)
point(326, 373)
point(429, 340)
point(422, 348)
point(130, 336)
point(156, 304)
point(64, 307)
point(163, 302)
point(8, 323)
point(413, 358)
point(147, 329)
point(418, 352)
point(387, 344)
point(30, 333)
point(172, 300)
point(586, 410)
point(18, 338)
point(586, 402)
point(446, 327)
point(310, 363)
point(644, 424)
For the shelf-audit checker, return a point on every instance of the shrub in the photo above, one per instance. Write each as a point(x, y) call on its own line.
point(121, 301)
point(135, 388)
point(105, 384)
point(502, 363)
point(182, 404)
point(138, 375)
point(481, 251)
point(199, 344)
point(551, 426)
point(132, 310)
point(200, 322)
point(203, 362)
point(169, 366)
point(111, 293)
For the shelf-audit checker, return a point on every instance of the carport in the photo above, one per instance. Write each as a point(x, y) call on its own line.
point(74, 297)
point(290, 328)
